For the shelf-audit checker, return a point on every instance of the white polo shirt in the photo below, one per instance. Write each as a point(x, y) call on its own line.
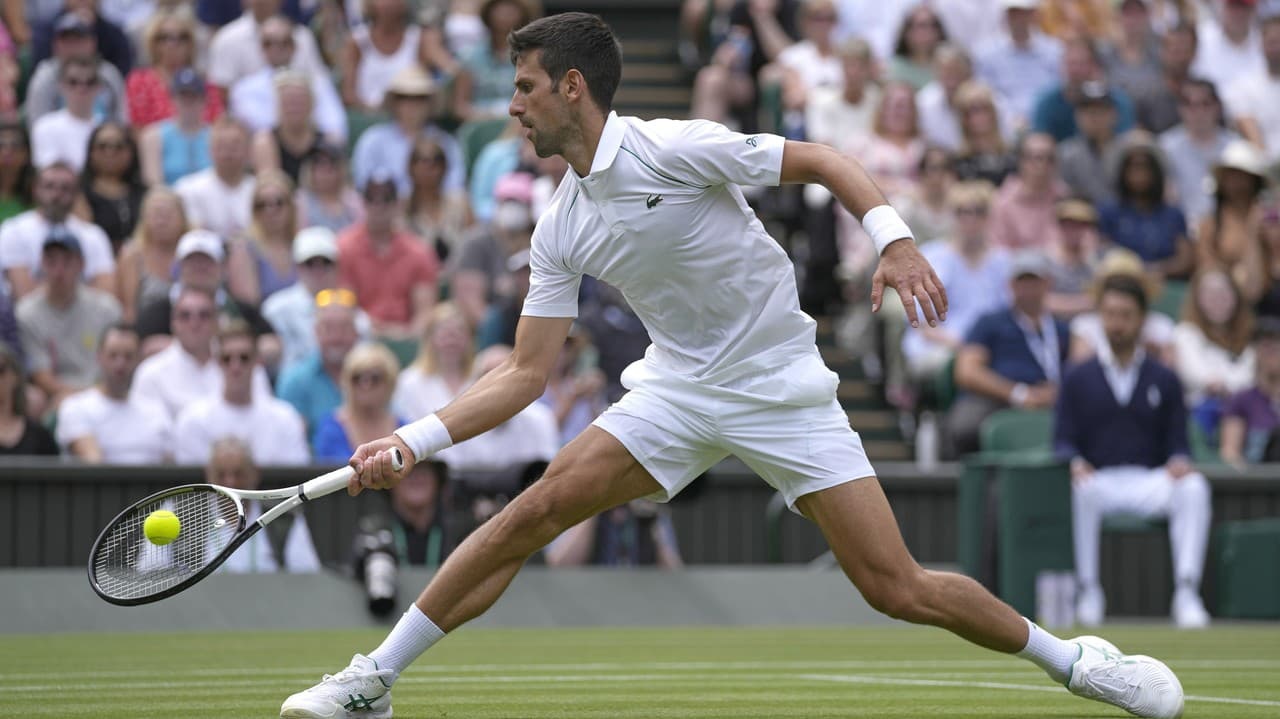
point(661, 217)
point(22, 241)
point(272, 428)
point(216, 206)
point(128, 431)
point(173, 379)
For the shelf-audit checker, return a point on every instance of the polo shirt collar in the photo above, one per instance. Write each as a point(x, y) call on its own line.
point(610, 142)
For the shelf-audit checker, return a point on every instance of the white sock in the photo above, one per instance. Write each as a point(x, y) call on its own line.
point(1050, 653)
point(412, 635)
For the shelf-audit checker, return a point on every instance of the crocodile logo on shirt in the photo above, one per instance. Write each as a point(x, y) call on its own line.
point(752, 141)
point(652, 200)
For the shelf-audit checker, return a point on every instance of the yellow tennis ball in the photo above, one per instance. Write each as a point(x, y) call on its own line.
point(161, 527)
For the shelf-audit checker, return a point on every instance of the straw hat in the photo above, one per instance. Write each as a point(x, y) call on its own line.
point(1120, 261)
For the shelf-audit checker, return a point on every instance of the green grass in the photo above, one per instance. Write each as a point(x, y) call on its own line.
point(685, 673)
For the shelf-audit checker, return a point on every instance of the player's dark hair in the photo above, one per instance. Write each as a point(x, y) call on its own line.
point(574, 41)
point(121, 327)
point(1128, 286)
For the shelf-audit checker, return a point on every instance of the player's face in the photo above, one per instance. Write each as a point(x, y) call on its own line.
point(1121, 320)
point(538, 106)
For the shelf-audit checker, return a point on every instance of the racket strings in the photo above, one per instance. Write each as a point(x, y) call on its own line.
point(128, 566)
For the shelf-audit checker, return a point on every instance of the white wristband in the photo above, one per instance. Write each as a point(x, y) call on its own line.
point(425, 437)
point(885, 226)
point(1018, 395)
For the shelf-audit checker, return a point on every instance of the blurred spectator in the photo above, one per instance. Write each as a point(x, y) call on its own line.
point(1139, 219)
point(939, 116)
point(1132, 59)
point(925, 210)
point(1012, 357)
point(311, 384)
point(725, 90)
point(179, 147)
point(983, 154)
point(1194, 145)
point(1058, 108)
point(292, 311)
point(575, 389)
point(387, 42)
point(219, 13)
point(1211, 345)
point(285, 544)
point(1082, 160)
point(22, 237)
point(237, 52)
point(1089, 337)
point(295, 136)
point(1066, 19)
point(1074, 255)
point(391, 271)
point(442, 368)
point(184, 371)
point(19, 434)
point(201, 259)
point(271, 428)
point(1254, 97)
point(806, 66)
point(1159, 103)
point(9, 334)
point(103, 424)
point(1250, 418)
point(877, 22)
point(110, 40)
point(331, 25)
point(500, 157)
point(1269, 304)
point(147, 260)
point(481, 277)
point(1229, 44)
point(833, 114)
point(112, 182)
point(1023, 64)
point(976, 277)
point(74, 40)
point(62, 319)
point(220, 198)
point(919, 36)
point(17, 174)
point(416, 520)
point(261, 262)
point(387, 145)
point(368, 380)
point(1228, 238)
point(255, 99)
point(891, 152)
point(483, 88)
point(619, 335)
point(639, 533)
point(63, 135)
point(440, 218)
point(325, 195)
point(1023, 212)
point(10, 74)
point(1121, 424)
point(170, 43)
point(503, 316)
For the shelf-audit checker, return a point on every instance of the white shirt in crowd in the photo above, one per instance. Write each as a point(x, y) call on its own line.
point(530, 436)
point(22, 242)
point(128, 431)
point(291, 312)
point(1201, 363)
point(272, 428)
point(60, 136)
point(253, 102)
point(257, 555)
point(1257, 96)
point(1157, 331)
point(419, 394)
point(1220, 61)
point(236, 52)
point(831, 120)
point(223, 209)
point(876, 21)
point(173, 379)
point(815, 70)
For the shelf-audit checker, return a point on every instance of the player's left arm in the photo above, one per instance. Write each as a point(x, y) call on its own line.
point(902, 267)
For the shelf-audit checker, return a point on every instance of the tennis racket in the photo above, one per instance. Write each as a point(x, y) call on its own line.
point(125, 568)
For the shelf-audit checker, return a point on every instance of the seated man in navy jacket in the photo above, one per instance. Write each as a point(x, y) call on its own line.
point(1121, 423)
point(1011, 357)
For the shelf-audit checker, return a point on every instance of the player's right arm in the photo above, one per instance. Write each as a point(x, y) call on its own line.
point(493, 399)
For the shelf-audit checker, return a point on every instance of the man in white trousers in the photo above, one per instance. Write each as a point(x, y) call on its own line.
point(655, 210)
point(1121, 422)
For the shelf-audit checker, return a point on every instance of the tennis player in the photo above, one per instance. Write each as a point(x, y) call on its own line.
point(654, 209)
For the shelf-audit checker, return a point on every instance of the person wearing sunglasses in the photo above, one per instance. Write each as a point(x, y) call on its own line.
point(260, 262)
point(272, 429)
point(368, 380)
point(63, 135)
point(74, 38)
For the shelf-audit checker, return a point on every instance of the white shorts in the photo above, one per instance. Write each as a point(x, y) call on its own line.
point(677, 436)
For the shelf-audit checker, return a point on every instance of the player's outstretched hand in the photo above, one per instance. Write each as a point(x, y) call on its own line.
point(903, 268)
point(372, 463)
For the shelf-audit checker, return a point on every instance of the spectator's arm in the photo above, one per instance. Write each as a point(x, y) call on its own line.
point(20, 281)
point(266, 155)
point(86, 449)
point(15, 19)
point(769, 33)
point(573, 548)
point(974, 374)
point(424, 300)
point(127, 281)
point(105, 281)
point(49, 383)
point(1252, 131)
point(242, 274)
point(463, 91)
point(348, 66)
point(1231, 440)
point(1183, 262)
point(149, 155)
point(433, 53)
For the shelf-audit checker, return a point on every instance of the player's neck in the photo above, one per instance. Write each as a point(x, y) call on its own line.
point(580, 151)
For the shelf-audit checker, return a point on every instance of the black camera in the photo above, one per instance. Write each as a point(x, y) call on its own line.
point(376, 564)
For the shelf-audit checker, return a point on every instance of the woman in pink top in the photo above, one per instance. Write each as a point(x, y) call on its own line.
point(170, 42)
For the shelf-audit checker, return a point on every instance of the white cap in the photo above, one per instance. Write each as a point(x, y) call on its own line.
point(315, 242)
point(202, 241)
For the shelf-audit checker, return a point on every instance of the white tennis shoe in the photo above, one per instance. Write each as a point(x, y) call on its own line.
point(1138, 684)
point(361, 691)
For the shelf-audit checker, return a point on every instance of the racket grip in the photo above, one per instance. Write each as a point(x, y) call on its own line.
point(338, 478)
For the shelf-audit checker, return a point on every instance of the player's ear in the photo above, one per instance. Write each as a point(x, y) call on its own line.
point(575, 85)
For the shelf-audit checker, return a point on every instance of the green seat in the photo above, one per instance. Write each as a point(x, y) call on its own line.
point(1248, 575)
point(1170, 301)
point(474, 135)
point(1017, 430)
point(1203, 448)
point(405, 350)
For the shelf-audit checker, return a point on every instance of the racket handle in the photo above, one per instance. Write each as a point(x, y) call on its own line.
point(338, 478)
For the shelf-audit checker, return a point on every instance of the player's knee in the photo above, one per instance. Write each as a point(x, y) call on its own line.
point(898, 597)
point(530, 522)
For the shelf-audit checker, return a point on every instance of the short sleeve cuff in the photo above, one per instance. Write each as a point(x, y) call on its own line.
point(551, 310)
